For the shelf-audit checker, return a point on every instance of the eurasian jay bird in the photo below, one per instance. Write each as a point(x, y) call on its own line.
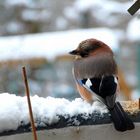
point(96, 76)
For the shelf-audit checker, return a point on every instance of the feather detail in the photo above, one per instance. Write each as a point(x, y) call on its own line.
point(103, 64)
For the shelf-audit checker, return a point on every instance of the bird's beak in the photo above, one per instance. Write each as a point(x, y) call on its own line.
point(74, 52)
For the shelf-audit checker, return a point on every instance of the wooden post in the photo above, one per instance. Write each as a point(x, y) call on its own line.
point(138, 67)
point(29, 103)
point(139, 103)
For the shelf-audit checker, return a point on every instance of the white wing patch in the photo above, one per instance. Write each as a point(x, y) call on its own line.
point(88, 83)
point(115, 80)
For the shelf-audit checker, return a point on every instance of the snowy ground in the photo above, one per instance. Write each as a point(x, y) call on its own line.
point(14, 110)
point(50, 45)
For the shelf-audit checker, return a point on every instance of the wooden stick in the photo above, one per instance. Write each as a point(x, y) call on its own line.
point(29, 103)
point(139, 103)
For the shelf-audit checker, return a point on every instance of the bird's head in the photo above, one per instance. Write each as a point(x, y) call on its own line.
point(91, 47)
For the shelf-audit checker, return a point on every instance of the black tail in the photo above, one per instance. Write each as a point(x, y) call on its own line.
point(121, 120)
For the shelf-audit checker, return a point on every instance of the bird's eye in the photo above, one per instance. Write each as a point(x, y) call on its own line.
point(84, 54)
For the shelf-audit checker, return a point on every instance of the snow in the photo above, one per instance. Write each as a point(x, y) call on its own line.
point(105, 11)
point(107, 6)
point(14, 110)
point(133, 29)
point(71, 13)
point(61, 23)
point(34, 15)
point(18, 2)
point(50, 45)
point(14, 27)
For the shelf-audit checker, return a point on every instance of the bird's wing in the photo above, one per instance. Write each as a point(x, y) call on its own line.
point(103, 89)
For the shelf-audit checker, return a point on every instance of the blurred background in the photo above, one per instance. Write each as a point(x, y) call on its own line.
point(39, 34)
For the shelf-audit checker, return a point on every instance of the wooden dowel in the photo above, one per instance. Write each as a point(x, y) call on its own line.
point(29, 103)
point(139, 103)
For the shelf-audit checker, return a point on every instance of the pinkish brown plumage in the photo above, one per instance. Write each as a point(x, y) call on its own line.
point(95, 71)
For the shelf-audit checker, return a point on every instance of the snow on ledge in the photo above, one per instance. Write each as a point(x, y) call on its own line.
point(14, 110)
